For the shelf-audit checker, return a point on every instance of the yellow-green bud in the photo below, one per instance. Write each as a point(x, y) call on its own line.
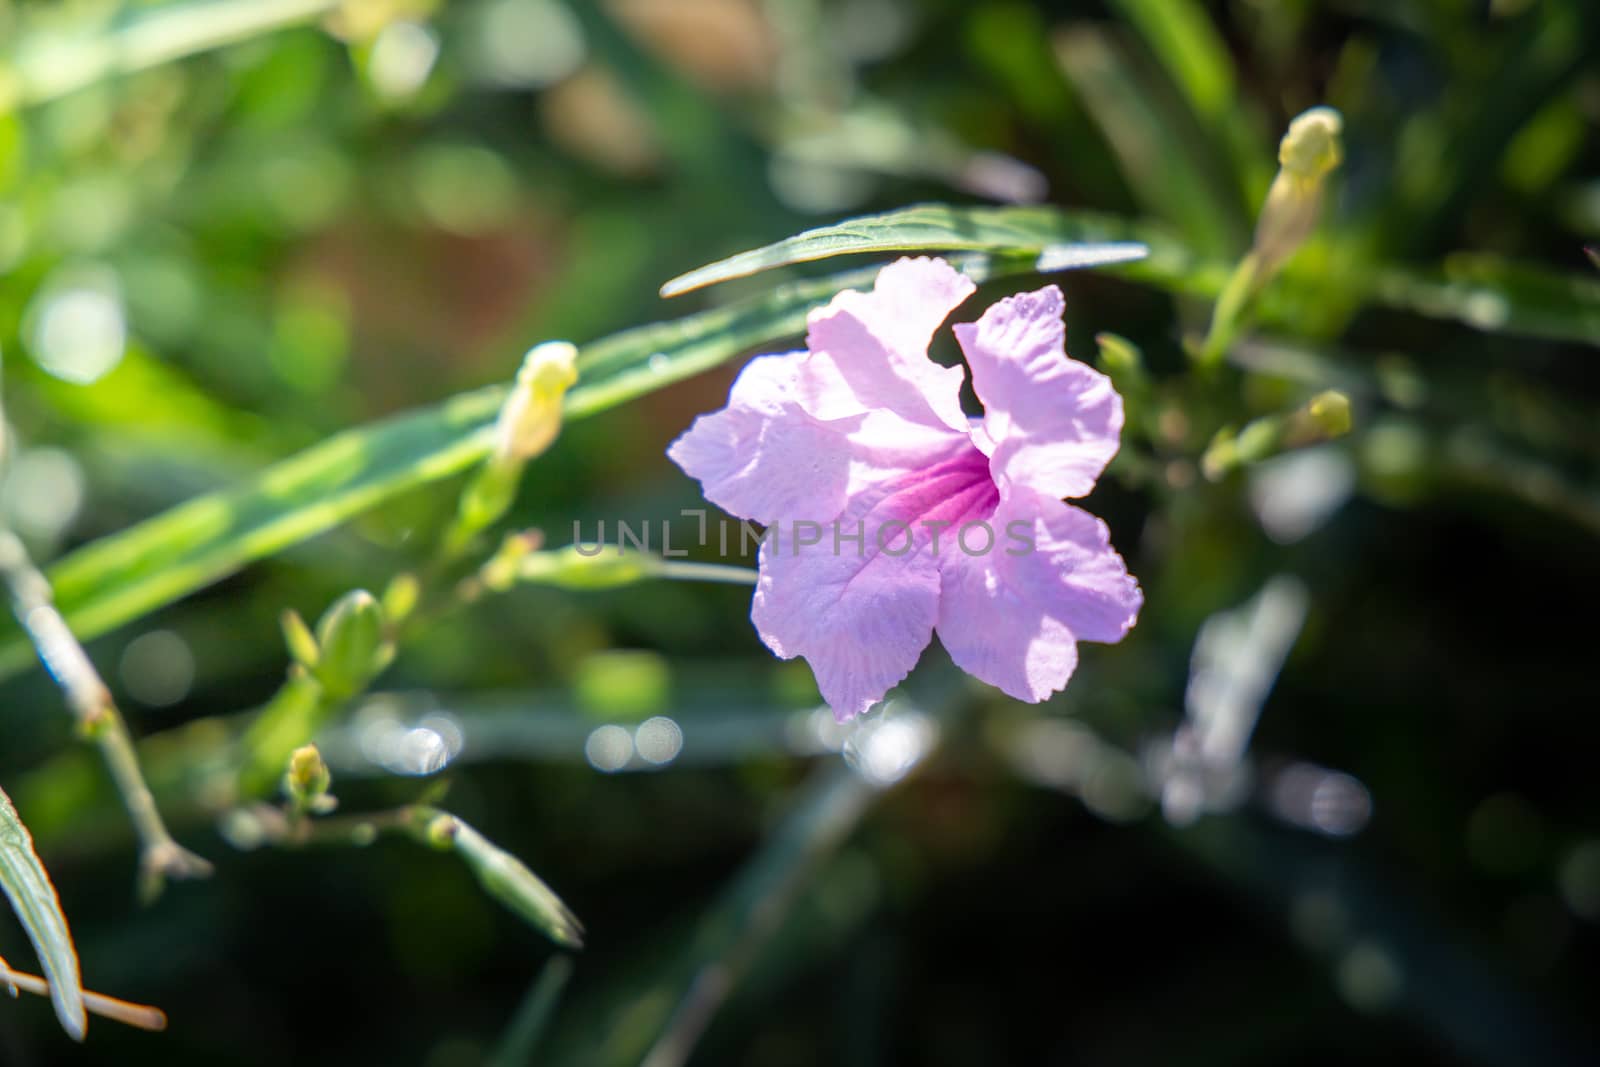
point(531, 417)
point(307, 781)
point(352, 643)
point(1322, 418)
point(1306, 155)
point(1312, 146)
point(1331, 413)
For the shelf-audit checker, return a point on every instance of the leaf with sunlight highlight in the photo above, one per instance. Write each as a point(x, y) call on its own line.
point(1062, 241)
point(33, 897)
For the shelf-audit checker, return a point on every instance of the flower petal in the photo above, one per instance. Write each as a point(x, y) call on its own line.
point(1013, 616)
point(762, 457)
point(1055, 422)
point(869, 351)
point(1070, 571)
point(997, 635)
point(860, 617)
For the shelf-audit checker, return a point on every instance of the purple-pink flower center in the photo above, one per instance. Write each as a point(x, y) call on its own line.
point(956, 490)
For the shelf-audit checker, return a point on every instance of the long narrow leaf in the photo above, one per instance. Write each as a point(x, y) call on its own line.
point(33, 898)
point(128, 574)
point(1484, 293)
point(1070, 240)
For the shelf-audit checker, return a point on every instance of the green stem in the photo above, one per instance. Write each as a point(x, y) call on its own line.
point(1227, 316)
point(161, 856)
point(706, 572)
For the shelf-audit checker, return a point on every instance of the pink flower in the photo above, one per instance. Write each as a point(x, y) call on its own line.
point(877, 490)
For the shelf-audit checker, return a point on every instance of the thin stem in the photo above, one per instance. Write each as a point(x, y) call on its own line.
point(33, 602)
point(141, 1016)
point(706, 572)
point(1227, 314)
point(500, 874)
point(282, 830)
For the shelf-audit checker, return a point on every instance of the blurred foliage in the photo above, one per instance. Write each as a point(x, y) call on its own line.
point(266, 267)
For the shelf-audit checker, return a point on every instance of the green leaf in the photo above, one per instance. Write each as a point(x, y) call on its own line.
point(1483, 292)
point(50, 64)
point(528, 1026)
point(668, 1006)
point(1168, 159)
point(27, 885)
point(126, 575)
point(1187, 43)
point(1062, 241)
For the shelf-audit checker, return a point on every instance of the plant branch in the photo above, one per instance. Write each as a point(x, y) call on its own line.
point(160, 856)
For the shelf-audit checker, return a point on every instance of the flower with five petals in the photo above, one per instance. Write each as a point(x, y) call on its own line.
point(893, 514)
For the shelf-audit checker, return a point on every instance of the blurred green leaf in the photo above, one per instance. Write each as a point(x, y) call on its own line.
point(1167, 159)
point(1184, 39)
point(33, 897)
point(1445, 150)
point(522, 1037)
point(1496, 296)
point(48, 65)
point(659, 1019)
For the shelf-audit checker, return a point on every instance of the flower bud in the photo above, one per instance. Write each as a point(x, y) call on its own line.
point(352, 643)
point(307, 781)
point(507, 879)
point(1330, 411)
point(1312, 147)
point(1322, 418)
point(531, 417)
point(1307, 154)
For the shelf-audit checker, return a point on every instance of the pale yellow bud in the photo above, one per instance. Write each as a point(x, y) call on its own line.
point(531, 417)
point(307, 780)
point(1306, 155)
point(1312, 147)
